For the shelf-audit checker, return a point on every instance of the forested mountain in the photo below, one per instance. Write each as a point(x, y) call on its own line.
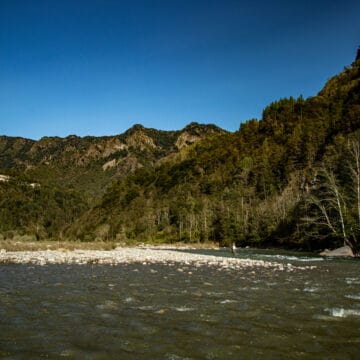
point(45, 185)
point(291, 178)
point(90, 164)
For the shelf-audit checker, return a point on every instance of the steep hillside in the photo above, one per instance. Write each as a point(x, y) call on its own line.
point(46, 185)
point(289, 179)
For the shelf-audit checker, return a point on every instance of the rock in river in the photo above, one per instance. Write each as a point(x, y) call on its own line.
point(344, 251)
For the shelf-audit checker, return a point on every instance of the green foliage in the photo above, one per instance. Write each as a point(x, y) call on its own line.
point(41, 211)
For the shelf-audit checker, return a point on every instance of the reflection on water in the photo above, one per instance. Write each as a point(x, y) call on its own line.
point(159, 312)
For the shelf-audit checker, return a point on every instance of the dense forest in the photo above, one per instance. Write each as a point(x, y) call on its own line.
point(290, 179)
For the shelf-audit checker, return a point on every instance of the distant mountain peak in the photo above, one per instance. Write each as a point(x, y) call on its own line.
point(136, 127)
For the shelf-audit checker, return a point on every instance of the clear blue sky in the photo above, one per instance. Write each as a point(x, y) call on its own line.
point(96, 67)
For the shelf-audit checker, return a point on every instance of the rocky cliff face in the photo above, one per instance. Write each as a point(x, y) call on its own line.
point(194, 133)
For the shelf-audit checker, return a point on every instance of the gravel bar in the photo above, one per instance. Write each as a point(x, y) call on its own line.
point(144, 256)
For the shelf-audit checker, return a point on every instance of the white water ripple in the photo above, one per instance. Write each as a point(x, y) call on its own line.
point(129, 299)
point(351, 281)
point(293, 258)
point(107, 305)
point(311, 289)
point(227, 301)
point(183, 308)
point(343, 313)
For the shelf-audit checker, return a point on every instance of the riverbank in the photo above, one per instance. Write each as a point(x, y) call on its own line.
point(143, 255)
point(11, 245)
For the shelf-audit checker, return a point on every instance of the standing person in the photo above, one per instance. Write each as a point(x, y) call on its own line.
point(233, 248)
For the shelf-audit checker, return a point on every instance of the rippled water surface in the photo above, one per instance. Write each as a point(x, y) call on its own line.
point(181, 312)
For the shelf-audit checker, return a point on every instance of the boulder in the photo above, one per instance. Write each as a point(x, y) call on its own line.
point(344, 251)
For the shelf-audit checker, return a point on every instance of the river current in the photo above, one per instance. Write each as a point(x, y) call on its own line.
point(182, 312)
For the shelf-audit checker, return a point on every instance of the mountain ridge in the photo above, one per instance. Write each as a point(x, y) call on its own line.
point(121, 154)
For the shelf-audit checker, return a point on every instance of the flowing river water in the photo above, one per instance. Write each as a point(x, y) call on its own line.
point(176, 312)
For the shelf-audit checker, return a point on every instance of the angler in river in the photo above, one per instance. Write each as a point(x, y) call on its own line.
point(233, 248)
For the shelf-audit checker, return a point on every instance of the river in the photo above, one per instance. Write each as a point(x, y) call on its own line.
point(176, 312)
